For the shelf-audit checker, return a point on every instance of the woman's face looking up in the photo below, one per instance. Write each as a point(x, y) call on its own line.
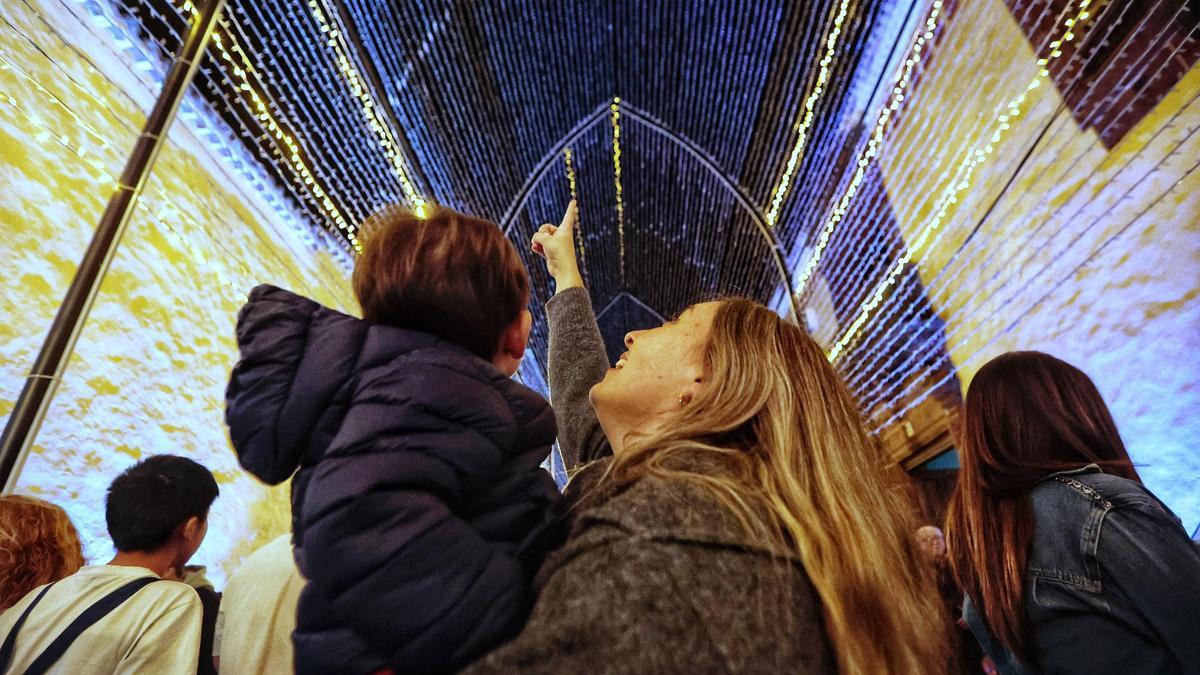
point(660, 372)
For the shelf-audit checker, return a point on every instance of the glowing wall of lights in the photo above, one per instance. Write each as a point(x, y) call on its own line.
point(149, 371)
point(1049, 241)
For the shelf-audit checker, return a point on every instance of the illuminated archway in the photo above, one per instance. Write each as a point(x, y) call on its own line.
point(648, 121)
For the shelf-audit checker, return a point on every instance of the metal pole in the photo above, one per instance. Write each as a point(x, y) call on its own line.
point(22, 426)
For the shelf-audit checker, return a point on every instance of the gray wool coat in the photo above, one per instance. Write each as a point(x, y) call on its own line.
point(655, 577)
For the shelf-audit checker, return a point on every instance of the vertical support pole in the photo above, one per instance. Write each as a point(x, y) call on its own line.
point(22, 426)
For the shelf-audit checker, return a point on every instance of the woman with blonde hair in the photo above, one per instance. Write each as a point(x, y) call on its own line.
point(729, 511)
point(38, 545)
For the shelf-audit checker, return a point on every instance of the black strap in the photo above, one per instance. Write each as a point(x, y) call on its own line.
point(90, 617)
point(10, 641)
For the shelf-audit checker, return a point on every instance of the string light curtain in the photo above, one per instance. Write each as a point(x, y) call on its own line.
point(759, 148)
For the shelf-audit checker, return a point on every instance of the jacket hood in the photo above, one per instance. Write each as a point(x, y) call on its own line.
point(298, 365)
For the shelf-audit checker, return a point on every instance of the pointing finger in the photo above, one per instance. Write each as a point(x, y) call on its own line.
point(569, 218)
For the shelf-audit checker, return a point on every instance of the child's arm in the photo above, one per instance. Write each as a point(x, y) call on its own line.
point(577, 359)
point(383, 540)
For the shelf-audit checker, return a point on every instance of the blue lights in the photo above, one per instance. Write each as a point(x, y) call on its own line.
point(1068, 231)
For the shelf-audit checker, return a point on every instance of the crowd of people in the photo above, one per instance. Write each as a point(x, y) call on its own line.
point(726, 511)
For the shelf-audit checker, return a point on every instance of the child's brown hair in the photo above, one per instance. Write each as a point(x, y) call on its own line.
point(449, 274)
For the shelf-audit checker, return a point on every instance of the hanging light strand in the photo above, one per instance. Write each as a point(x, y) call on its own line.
point(961, 183)
point(376, 121)
point(871, 151)
point(328, 125)
point(615, 120)
point(809, 114)
point(569, 166)
point(272, 126)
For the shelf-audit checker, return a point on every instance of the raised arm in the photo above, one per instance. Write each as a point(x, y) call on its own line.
point(577, 362)
point(577, 357)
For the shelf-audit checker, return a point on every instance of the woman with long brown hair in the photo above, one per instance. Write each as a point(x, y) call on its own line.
point(1068, 562)
point(731, 513)
point(38, 545)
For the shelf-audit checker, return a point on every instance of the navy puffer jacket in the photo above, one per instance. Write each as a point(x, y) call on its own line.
point(419, 509)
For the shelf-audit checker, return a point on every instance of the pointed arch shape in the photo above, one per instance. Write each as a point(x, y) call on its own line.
point(599, 114)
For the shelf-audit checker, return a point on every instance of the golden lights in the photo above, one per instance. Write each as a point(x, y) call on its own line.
point(615, 120)
point(961, 183)
point(810, 103)
point(304, 175)
point(376, 121)
point(569, 165)
point(869, 153)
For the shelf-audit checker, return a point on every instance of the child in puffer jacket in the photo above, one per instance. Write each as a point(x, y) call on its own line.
point(419, 508)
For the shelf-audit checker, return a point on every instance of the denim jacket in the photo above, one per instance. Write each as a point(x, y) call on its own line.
point(1112, 585)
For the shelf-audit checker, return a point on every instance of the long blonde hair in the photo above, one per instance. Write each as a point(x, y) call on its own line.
point(804, 478)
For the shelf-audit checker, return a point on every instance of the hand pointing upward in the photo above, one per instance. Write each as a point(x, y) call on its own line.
point(557, 246)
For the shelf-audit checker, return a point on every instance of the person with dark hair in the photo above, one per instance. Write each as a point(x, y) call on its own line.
point(123, 617)
point(1068, 562)
point(420, 511)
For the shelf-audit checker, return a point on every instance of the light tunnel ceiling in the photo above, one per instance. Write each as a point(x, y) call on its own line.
point(710, 142)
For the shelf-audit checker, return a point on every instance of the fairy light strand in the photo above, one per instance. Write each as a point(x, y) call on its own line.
point(569, 166)
point(288, 148)
point(961, 183)
point(615, 120)
point(334, 122)
point(810, 103)
point(377, 122)
point(275, 129)
point(871, 151)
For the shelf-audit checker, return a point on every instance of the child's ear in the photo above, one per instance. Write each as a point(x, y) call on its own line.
point(513, 342)
point(191, 528)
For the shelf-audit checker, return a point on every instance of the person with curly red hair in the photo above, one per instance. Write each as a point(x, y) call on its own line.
point(38, 545)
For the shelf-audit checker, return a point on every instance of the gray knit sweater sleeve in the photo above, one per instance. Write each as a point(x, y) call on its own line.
point(577, 361)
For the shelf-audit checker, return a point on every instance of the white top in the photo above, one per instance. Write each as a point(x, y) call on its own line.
point(258, 612)
point(157, 630)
